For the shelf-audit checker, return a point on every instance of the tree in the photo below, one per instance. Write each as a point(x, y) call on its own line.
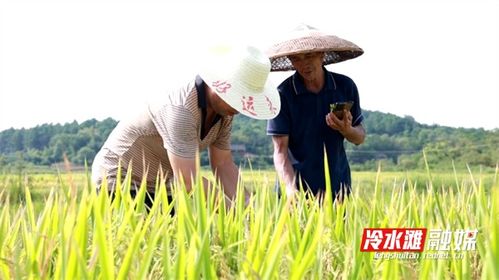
point(395, 140)
point(85, 154)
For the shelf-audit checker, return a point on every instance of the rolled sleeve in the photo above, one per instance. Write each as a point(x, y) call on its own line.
point(177, 128)
point(280, 125)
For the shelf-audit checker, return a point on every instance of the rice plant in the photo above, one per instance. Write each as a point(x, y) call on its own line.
point(87, 235)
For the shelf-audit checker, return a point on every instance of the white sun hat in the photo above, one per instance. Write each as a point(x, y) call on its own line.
point(305, 39)
point(239, 75)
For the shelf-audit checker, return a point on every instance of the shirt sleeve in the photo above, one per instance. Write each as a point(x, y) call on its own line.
point(356, 111)
point(177, 128)
point(280, 125)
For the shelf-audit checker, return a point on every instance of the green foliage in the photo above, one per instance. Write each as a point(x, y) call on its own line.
point(47, 144)
point(251, 134)
point(398, 143)
point(395, 142)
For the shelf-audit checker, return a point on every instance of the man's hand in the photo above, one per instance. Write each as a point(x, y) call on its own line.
point(291, 192)
point(355, 134)
point(343, 125)
point(291, 197)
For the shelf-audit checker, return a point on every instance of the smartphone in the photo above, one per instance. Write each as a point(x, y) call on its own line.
point(338, 107)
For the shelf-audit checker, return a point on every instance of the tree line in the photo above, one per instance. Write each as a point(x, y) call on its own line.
point(396, 142)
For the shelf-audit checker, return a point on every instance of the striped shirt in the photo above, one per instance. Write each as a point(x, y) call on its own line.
point(140, 144)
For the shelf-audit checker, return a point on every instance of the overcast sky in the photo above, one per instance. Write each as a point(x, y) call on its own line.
point(437, 61)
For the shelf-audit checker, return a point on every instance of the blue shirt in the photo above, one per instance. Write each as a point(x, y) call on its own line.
point(303, 119)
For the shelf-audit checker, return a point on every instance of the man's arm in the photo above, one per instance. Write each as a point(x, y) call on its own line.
point(225, 170)
point(185, 168)
point(355, 134)
point(282, 163)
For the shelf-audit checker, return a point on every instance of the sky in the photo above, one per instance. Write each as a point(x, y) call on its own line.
point(437, 61)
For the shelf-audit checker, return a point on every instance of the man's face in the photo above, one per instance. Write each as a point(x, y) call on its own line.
point(308, 65)
point(218, 105)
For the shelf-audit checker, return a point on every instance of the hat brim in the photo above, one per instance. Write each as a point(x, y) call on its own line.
point(335, 49)
point(262, 104)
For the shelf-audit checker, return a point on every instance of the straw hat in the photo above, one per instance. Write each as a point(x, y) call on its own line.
point(306, 39)
point(239, 76)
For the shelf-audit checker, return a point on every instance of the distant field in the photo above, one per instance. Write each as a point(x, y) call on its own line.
point(363, 182)
point(55, 226)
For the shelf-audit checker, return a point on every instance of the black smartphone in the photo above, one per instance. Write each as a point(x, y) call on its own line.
point(338, 107)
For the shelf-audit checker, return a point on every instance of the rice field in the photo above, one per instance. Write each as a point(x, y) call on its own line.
point(58, 227)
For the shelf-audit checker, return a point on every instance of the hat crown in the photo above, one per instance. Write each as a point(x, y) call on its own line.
point(252, 68)
point(303, 31)
point(239, 76)
point(305, 39)
point(305, 27)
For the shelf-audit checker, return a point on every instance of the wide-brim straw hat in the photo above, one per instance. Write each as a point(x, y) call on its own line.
point(306, 39)
point(239, 75)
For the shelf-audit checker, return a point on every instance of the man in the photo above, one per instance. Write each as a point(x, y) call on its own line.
point(306, 129)
point(163, 139)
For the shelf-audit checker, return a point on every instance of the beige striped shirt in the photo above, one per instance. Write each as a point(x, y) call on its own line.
point(141, 143)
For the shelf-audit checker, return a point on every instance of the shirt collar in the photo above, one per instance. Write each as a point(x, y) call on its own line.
point(299, 85)
point(201, 92)
point(201, 89)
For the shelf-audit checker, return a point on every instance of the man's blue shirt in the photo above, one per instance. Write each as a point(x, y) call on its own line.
point(303, 119)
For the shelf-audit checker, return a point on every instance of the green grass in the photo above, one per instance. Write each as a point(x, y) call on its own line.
point(57, 226)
